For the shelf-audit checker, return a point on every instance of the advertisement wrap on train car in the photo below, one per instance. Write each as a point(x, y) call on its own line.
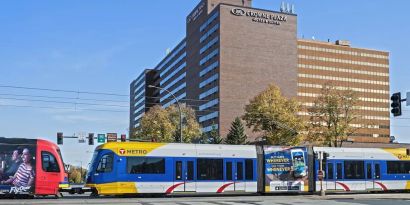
point(286, 169)
point(17, 169)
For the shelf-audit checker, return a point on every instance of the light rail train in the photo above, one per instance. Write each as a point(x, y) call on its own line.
point(119, 168)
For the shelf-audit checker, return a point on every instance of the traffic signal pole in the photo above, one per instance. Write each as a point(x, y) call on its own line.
point(322, 191)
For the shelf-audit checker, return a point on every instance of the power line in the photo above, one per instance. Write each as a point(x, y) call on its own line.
point(59, 90)
point(58, 97)
point(61, 108)
point(62, 102)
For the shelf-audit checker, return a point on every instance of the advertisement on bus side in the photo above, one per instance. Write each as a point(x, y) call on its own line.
point(17, 168)
point(286, 169)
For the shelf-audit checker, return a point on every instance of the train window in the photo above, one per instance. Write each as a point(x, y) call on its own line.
point(228, 171)
point(190, 171)
point(369, 170)
point(239, 170)
point(354, 169)
point(249, 169)
point(377, 171)
point(145, 165)
point(329, 171)
point(105, 164)
point(398, 167)
point(178, 170)
point(339, 171)
point(49, 162)
point(209, 169)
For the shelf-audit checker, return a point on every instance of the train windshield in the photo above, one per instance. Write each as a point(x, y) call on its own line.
point(62, 161)
point(93, 161)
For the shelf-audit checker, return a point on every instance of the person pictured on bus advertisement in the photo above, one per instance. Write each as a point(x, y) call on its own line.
point(24, 176)
point(12, 165)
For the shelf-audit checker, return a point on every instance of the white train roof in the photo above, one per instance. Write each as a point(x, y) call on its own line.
point(364, 153)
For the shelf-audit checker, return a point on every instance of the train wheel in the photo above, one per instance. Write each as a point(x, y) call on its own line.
point(94, 194)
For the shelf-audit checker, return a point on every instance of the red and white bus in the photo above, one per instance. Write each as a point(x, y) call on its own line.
point(31, 167)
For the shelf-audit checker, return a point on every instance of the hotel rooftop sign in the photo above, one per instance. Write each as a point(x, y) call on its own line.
point(260, 17)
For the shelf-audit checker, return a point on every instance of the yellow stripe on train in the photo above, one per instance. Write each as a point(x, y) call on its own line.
point(400, 153)
point(131, 148)
point(115, 188)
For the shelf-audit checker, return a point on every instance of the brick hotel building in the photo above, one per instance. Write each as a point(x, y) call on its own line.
point(232, 52)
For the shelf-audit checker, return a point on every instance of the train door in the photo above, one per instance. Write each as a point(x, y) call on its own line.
point(234, 171)
point(48, 174)
point(330, 176)
point(239, 178)
point(339, 185)
point(372, 175)
point(184, 179)
point(369, 175)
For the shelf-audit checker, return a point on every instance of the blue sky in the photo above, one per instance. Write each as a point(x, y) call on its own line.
point(101, 46)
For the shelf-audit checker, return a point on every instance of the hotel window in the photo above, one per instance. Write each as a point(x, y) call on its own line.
point(180, 97)
point(176, 80)
point(209, 56)
point(209, 44)
point(208, 92)
point(209, 104)
point(207, 34)
point(182, 86)
point(209, 21)
point(209, 116)
point(182, 66)
point(210, 128)
point(209, 68)
point(172, 64)
point(209, 80)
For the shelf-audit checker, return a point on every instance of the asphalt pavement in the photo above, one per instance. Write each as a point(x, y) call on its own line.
point(335, 199)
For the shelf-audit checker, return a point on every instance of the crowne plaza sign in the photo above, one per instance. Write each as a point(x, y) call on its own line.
point(260, 17)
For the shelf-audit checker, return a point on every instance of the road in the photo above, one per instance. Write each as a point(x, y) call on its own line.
point(356, 199)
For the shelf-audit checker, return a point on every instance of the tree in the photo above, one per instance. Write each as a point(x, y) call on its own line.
point(76, 174)
point(162, 125)
point(275, 117)
point(214, 137)
point(190, 126)
point(331, 116)
point(156, 126)
point(236, 133)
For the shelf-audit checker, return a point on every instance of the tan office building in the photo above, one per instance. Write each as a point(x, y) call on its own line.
point(362, 70)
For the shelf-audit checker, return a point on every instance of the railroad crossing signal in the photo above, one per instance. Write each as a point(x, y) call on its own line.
point(396, 104)
point(101, 138)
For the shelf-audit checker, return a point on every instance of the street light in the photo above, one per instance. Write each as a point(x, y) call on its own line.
point(179, 108)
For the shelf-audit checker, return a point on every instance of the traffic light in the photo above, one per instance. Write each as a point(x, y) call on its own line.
point(90, 138)
point(396, 104)
point(60, 138)
point(123, 138)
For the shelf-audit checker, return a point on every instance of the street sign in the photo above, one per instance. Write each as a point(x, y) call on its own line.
point(81, 137)
point(111, 137)
point(101, 138)
point(320, 175)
